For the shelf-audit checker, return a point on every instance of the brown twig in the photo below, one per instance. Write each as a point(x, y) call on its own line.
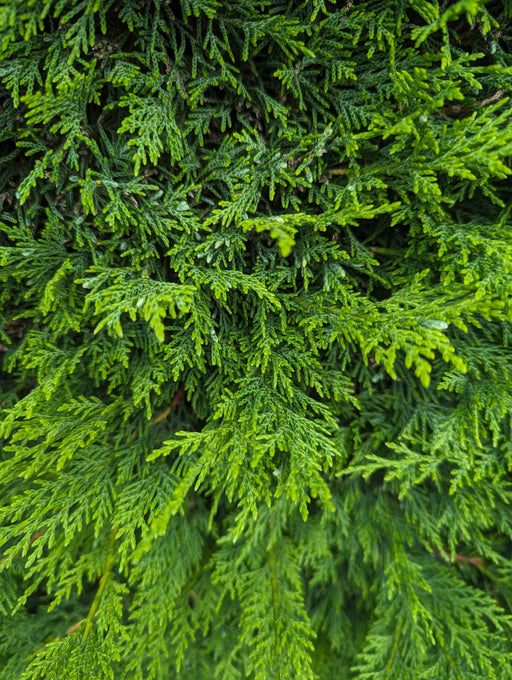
point(35, 536)
point(461, 108)
point(457, 557)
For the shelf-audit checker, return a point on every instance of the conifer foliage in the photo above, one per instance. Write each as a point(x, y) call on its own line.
point(256, 340)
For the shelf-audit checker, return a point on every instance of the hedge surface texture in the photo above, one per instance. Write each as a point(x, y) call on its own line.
point(256, 361)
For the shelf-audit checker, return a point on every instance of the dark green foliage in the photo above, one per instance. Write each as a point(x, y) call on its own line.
point(255, 317)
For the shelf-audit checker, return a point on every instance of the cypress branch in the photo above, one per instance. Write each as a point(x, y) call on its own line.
point(255, 332)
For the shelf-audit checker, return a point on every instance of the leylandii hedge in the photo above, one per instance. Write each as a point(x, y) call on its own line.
point(256, 276)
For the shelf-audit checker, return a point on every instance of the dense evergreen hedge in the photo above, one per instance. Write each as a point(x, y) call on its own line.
point(255, 301)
